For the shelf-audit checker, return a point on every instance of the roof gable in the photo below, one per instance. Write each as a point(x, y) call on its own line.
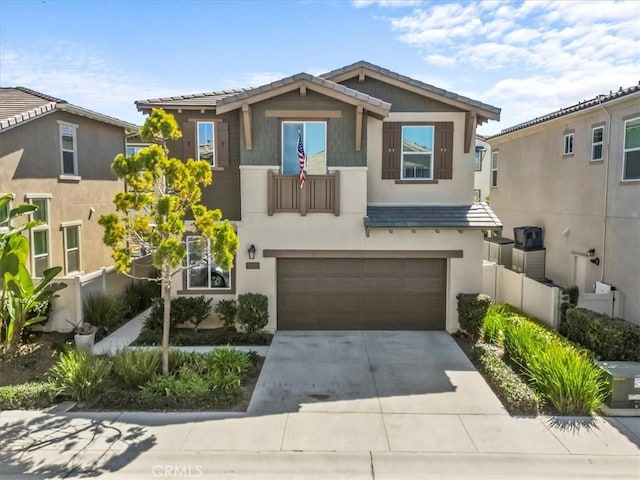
point(364, 69)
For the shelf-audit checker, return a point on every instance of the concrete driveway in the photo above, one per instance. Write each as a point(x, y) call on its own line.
point(370, 372)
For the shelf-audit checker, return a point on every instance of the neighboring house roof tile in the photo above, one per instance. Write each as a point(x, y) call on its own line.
point(416, 83)
point(478, 216)
point(594, 102)
point(195, 100)
point(20, 104)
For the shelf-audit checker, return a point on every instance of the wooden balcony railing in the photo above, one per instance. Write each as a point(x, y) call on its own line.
point(321, 193)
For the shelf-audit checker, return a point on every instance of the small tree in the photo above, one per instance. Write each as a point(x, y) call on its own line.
point(150, 214)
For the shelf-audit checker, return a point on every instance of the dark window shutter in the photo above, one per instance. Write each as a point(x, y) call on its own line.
point(443, 150)
point(222, 144)
point(391, 151)
point(189, 140)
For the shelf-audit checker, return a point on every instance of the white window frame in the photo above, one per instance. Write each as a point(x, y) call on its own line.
point(74, 130)
point(403, 153)
point(136, 149)
point(65, 228)
point(46, 227)
point(209, 263)
point(567, 148)
point(213, 140)
point(304, 141)
point(595, 144)
point(625, 150)
point(494, 168)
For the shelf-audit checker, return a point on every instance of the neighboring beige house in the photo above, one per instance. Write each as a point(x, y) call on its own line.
point(482, 170)
point(58, 156)
point(383, 235)
point(576, 174)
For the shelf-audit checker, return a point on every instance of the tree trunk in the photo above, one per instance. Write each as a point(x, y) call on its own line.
point(166, 319)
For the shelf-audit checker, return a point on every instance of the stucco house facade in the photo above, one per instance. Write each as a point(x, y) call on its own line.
point(384, 232)
point(576, 173)
point(58, 156)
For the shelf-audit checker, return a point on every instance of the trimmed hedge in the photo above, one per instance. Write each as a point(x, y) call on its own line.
point(32, 395)
point(612, 339)
point(472, 308)
point(515, 394)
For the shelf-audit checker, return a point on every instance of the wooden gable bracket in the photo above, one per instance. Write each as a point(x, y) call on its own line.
point(361, 75)
point(359, 112)
point(469, 130)
point(303, 91)
point(246, 119)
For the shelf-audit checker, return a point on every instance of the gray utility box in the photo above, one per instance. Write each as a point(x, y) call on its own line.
point(624, 384)
point(500, 250)
point(530, 262)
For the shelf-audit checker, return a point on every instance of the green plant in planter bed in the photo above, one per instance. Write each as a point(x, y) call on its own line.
point(139, 296)
point(227, 311)
point(103, 311)
point(79, 375)
point(136, 367)
point(472, 308)
point(253, 312)
point(27, 395)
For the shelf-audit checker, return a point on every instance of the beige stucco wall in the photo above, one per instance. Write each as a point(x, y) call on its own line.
point(30, 164)
point(322, 231)
point(565, 195)
point(458, 190)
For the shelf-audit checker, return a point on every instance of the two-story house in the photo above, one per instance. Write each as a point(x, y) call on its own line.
point(58, 156)
point(576, 173)
point(384, 232)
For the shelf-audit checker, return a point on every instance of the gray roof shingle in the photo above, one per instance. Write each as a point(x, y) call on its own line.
point(478, 216)
point(207, 99)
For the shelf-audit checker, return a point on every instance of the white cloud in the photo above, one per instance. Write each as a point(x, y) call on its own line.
point(386, 3)
point(440, 60)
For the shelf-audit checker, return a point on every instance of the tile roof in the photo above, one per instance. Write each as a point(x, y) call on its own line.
point(478, 216)
point(594, 102)
point(20, 104)
point(246, 94)
point(410, 81)
point(207, 99)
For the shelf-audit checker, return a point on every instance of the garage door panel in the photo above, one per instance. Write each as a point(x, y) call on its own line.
point(350, 294)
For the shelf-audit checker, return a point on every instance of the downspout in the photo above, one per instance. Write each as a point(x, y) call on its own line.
point(606, 190)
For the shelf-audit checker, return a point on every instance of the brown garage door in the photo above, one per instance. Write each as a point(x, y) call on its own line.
point(361, 294)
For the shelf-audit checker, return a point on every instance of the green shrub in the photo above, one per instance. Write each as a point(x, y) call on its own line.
point(472, 307)
point(227, 311)
point(135, 367)
point(154, 320)
point(225, 381)
point(494, 324)
point(253, 312)
point(103, 311)
point(564, 376)
point(139, 296)
point(188, 382)
point(226, 360)
point(183, 310)
point(79, 375)
point(32, 395)
point(569, 299)
point(516, 395)
point(612, 339)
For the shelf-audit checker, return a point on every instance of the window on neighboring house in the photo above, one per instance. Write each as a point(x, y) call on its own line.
point(68, 149)
point(314, 140)
point(40, 236)
point(494, 169)
point(631, 160)
point(568, 144)
point(597, 137)
point(206, 142)
point(477, 159)
point(417, 152)
point(131, 149)
point(477, 196)
point(203, 273)
point(71, 235)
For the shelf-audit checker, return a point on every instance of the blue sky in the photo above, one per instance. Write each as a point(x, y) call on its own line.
point(528, 58)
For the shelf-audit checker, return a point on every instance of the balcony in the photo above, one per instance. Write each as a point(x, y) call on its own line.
point(320, 194)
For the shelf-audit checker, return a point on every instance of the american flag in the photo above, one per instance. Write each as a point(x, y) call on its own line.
point(303, 175)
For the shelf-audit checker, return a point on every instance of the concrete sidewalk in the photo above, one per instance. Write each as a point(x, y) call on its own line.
point(320, 444)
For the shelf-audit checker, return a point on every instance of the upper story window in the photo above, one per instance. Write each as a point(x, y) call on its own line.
point(477, 158)
point(597, 137)
point(631, 160)
point(568, 144)
point(132, 149)
point(68, 149)
point(71, 234)
point(203, 273)
point(40, 257)
point(494, 169)
point(314, 140)
point(417, 152)
point(206, 142)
